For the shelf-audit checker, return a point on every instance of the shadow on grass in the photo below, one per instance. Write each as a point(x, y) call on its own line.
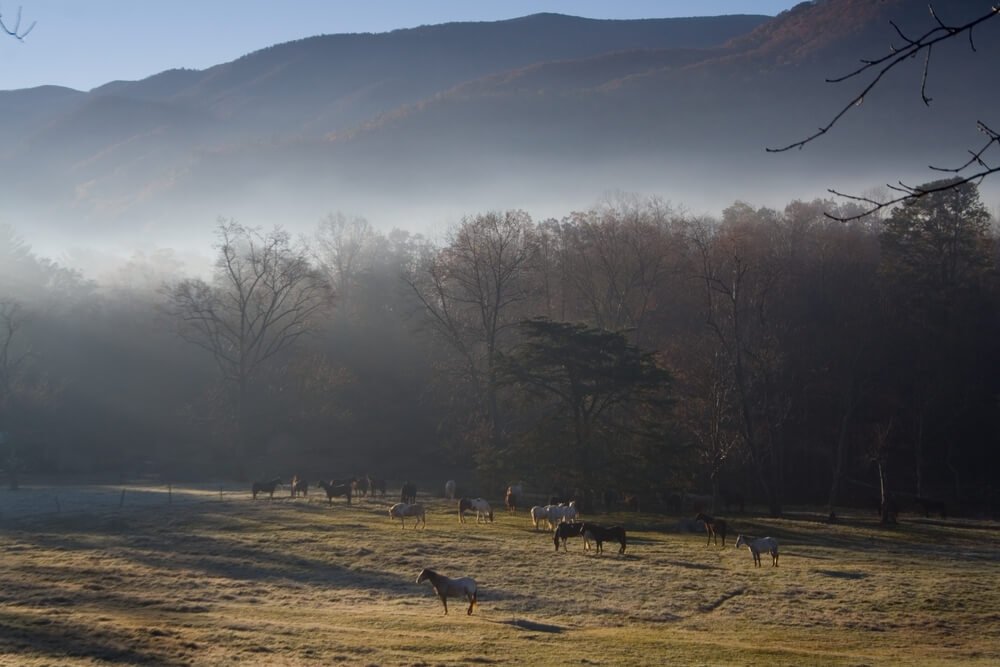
point(30, 636)
point(241, 556)
point(839, 574)
point(534, 626)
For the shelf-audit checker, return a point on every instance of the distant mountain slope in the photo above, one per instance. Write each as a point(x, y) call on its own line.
point(546, 111)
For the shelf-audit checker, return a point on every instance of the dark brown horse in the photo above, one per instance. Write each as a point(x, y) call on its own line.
point(408, 494)
point(510, 501)
point(299, 487)
point(336, 489)
point(714, 527)
point(266, 487)
point(375, 484)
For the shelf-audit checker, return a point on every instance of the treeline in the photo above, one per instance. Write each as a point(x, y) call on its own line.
point(781, 355)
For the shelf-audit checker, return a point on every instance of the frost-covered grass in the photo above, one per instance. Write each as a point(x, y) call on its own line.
point(210, 579)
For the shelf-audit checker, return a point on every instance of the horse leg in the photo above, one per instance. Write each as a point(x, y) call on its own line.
point(444, 601)
point(472, 603)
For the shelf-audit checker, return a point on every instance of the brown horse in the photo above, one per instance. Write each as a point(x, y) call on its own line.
point(445, 588)
point(714, 527)
point(510, 501)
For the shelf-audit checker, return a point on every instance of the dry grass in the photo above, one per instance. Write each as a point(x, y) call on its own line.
point(211, 581)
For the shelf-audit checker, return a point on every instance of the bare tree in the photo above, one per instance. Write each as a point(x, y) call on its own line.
point(973, 170)
point(470, 293)
point(264, 297)
point(344, 249)
point(12, 320)
point(15, 30)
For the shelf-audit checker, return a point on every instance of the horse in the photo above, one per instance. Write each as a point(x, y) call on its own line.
point(445, 588)
point(553, 514)
point(449, 489)
point(335, 488)
point(402, 510)
point(713, 527)
point(375, 484)
point(464, 505)
point(359, 487)
point(265, 487)
point(564, 531)
point(631, 501)
point(756, 545)
point(537, 514)
point(600, 535)
point(299, 486)
point(408, 493)
point(510, 501)
point(483, 509)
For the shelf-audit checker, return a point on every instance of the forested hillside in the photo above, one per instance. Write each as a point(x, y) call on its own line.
point(774, 353)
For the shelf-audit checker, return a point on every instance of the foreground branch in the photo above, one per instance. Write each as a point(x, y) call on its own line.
point(15, 31)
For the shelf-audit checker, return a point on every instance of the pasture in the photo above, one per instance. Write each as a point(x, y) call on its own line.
point(215, 578)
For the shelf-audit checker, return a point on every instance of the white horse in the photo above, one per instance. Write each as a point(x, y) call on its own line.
point(483, 510)
point(553, 515)
point(756, 545)
point(449, 489)
point(561, 514)
point(538, 514)
point(445, 587)
point(402, 510)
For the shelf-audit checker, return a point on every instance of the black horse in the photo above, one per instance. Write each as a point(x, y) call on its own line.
point(266, 487)
point(600, 535)
point(408, 494)
point(564, 531)
point(336, 489)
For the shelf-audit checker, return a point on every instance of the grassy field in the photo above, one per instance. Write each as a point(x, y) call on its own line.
point(222, 579)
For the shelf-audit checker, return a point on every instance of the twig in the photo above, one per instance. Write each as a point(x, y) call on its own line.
point(15, 32)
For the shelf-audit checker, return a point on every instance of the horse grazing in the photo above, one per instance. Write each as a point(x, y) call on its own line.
point(564, 531)
point(335, 489)
point(599, 535)
point(299, 487)
point(756, 545)
point(266, 487)
point(449, 489)
point(483, 510)
point(714, 527)
point(445, 588)
point(402, 510)
point(408, 493)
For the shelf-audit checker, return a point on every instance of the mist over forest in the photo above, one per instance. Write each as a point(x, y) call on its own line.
point(564, 260)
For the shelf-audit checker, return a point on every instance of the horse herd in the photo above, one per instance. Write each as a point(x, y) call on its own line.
point(354, 487)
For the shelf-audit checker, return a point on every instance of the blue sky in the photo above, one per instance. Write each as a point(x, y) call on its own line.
point(85, 43)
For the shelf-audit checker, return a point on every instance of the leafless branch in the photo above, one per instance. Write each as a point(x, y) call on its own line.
point(885, 64)
point(15, 30)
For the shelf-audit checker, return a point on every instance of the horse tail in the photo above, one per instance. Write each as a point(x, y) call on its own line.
point(475, 598)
